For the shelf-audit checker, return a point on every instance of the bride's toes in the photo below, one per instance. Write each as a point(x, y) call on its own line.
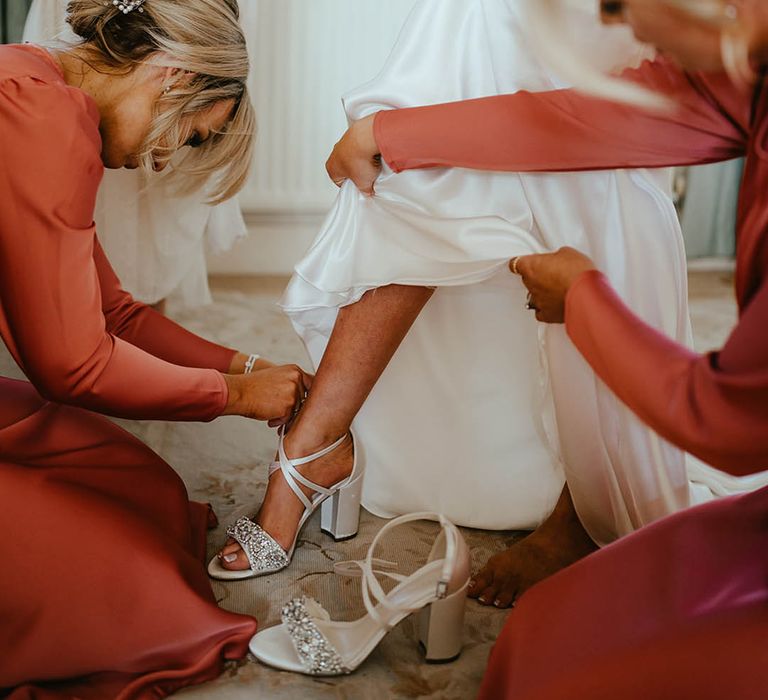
point(233, 557)
point(505, 595)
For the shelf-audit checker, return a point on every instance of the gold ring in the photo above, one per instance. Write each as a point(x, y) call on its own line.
point(514, 265)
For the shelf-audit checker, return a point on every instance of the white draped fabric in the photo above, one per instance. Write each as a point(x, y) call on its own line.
point(154, 239)
point(482, 412)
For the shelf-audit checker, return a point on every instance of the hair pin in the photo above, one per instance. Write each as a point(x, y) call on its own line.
point(126, 6)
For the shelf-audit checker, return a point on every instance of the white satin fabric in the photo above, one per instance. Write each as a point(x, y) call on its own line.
point(482, 411)
point(155, 240)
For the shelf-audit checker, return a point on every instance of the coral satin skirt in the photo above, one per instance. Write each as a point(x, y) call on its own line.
point(676, 610)
point(102, 589)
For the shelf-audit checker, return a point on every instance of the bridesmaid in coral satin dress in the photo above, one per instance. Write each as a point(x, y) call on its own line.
point(102, 589)
point(678, 609)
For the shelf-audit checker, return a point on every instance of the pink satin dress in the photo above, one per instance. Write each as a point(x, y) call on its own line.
point(680, 608)
point(102, 589)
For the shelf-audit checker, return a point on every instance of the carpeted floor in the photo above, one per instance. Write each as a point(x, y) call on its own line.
point(225, 462)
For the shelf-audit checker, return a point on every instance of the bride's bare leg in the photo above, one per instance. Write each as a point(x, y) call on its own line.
point(364, 339)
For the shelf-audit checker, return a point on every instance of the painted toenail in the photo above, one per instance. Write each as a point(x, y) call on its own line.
point(229, 558)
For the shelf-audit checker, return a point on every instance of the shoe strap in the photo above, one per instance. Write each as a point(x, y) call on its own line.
point(356, 569)
point(372, 590)
point(291, 475)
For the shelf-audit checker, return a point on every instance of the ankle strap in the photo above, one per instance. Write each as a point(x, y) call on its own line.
point(372, 590)
point(356, 568)
point(291, 475)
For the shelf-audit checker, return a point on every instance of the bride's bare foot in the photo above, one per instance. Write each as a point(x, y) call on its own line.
point(281, 510)
point(559, 542)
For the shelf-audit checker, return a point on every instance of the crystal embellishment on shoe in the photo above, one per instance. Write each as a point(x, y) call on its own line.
point(309, 642)
point(340, 515)
point(264, 554)
point(315, 651)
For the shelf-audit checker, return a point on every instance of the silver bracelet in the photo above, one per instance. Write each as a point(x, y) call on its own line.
point(250, 362)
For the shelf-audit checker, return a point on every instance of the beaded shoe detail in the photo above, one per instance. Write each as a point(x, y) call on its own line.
point(340, 515)
point(264, 554)
point(315, 651)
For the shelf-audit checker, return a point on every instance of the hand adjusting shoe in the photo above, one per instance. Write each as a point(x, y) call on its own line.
point(309, 642)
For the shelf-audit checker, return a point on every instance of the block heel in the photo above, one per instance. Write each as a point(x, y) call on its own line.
point(441, 628)
point(340, 514)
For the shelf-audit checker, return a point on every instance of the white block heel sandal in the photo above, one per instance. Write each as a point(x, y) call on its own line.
point(340, 516)
point(309, 642)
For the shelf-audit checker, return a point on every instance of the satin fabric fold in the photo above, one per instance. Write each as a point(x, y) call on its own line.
point(677, 610)
point(102, 591)
point(498, 411)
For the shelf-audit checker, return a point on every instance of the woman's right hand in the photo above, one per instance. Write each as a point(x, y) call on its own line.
point(356, 157)
point(273, 394)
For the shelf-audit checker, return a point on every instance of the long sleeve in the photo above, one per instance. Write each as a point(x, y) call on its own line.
point(140, 325)
point(714, 406)
point(51, 314)
point(566, 130)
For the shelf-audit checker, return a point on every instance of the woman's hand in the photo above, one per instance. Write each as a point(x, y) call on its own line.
point(548, 278)
point(356, 157)
point(272, 394)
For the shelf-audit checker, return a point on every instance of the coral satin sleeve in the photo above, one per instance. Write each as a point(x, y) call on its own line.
point(714, 406)
point(143, 327)
point(52, 271)
point(566, 130)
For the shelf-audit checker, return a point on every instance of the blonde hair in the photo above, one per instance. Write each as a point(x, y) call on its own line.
point(202, 38)
point(548, 25)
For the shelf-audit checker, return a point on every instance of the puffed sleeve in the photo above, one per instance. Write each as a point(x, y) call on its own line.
point(714, 406)
point(50, 294)
point(565, 130)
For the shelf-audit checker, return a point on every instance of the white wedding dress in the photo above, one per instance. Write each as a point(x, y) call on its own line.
point(155, 240)
point(482, 411)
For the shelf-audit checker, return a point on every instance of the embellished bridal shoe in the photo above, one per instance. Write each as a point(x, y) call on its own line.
point(309, 642)
point(339, 517)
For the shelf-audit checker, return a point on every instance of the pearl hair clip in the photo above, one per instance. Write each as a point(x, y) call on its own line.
point(126, 6)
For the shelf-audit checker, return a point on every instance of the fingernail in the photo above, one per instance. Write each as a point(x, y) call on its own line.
point(229, 558)
point(472, 583)
point(497, 603)
point(482, 600)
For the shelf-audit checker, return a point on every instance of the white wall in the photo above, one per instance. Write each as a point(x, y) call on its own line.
point(306, 55)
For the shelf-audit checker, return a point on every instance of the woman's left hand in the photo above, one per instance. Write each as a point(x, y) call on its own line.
point(548, 278)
